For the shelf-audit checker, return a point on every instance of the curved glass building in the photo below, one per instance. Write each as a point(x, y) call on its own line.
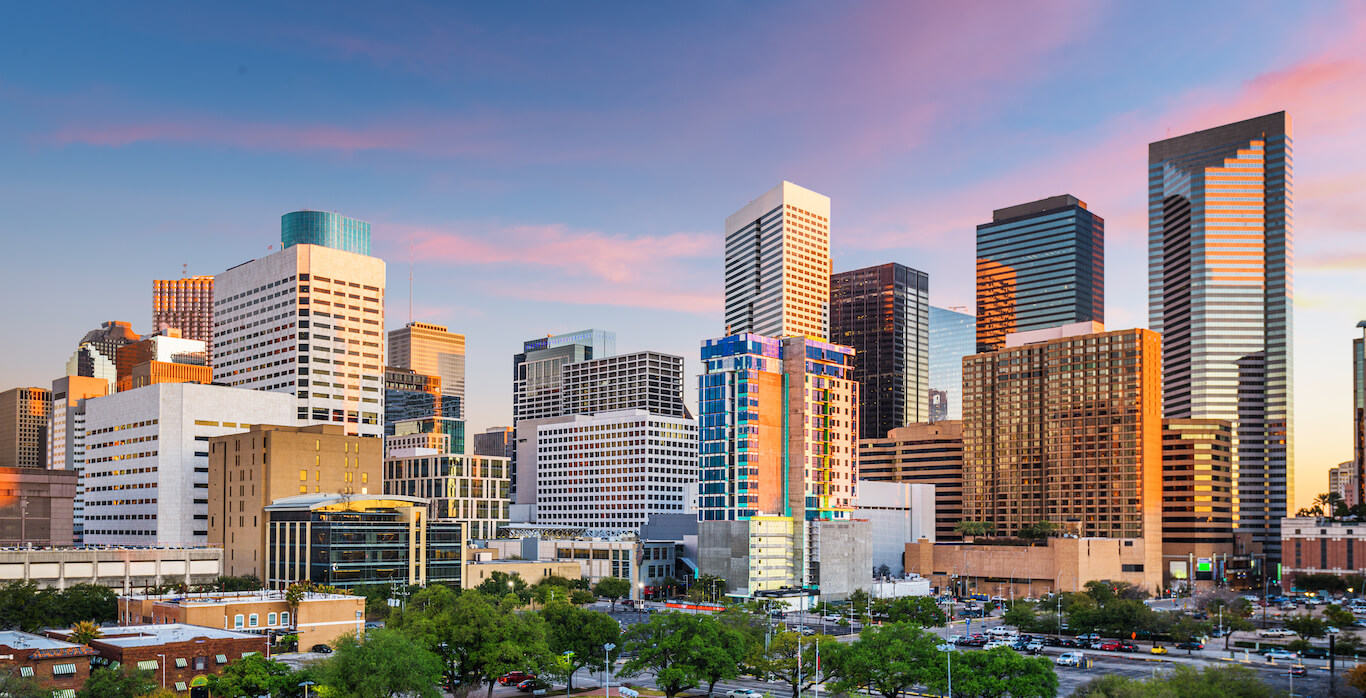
point(327, 229)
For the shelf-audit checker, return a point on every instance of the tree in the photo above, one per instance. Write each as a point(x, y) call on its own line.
point(15, 686)
point(974, 529)
point(1039, 531)
point(1306, 626)
point(860, 603)
point(791, 659)
point(664, 646)
point(889, 660)
point(376, 599)
point(580, 597)
point(999, 673)
point(720, 645)
point(93, 602)
point(920, 610)
point(583, 632)
point(1188, 629)
point(477, 637)
point(1338, 615)
point(1356, 678)
point(713, 588)
point(1022, 615)
point(118, 683)
point(82, 632)
point(248, 582)
point(497, 585)
point(1222, 681)
point(613, 588)
point(883, 571)
point(254, 675)
point(1321, 582)
point(388, 663)
point(23, 606)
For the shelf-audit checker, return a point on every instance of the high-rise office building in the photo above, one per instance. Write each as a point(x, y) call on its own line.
point(883, 312)
point(495, 441)
point(648, 380)
point(163, 357)
point(471, 490)
point(66, 438)
point(1359, 412)
point(778, 434)
point(25, 417)
point(922, 454)
point(778, 265)
point(327, 229)
point(147, 458)
point(415, 402)
point(249, 470)
point(1064, 425)
point(97, 354)
point(1039, 265)
point(1197, 494)
point(953, 335)
point(308, 321)
point(433, 350)
point(186, 305)
point(1342, 481)
point(1220, 267)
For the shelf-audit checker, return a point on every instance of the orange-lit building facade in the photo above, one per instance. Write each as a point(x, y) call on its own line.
point(431, 349)
point(1065, 426)
point(25, 417)
point(186, 305)
point(1198, 499)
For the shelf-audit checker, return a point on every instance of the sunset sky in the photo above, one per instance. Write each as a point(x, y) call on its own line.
point(557, 166)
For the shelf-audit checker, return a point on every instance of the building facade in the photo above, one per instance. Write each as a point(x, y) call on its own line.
point(325, 229)
point(66, 438)
point(318, 618)
point(306, 321)
point(953, 335)
point(433, 350)
point(1039, 265)
point(249, 470)
point(1064, 426)
point(25, 418)
point(416, 402)
point(648, 380)
point(147, 458)
point(96, 355)
point(348, 541)
point(181, 657)
point(778, 265)
point(1319, 545)
point(35, 506)
point(921, 454)
point(1198, 505)
point(118, 568)
point(1359, 414)
point(1220, 268)
point(495, 441)
point(883, 312)
point(611, 471)
point(1342, 481)
point(1018, 571)
point(186, 305)
point(163, 357)
point(898, 513)
point(471, 490)
point(54, 665)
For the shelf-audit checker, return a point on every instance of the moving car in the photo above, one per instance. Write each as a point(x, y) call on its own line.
point(1070, 659)
point(832, 618)
point(1280, 654)
point(533, 684)
point(1192, 645)
point(744, 693)
point(512, 678)
point(1298, 670)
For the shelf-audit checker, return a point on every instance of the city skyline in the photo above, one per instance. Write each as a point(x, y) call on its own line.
point(621, 227)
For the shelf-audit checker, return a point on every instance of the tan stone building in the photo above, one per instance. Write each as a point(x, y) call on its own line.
point(318, 618)
point(25, 415)
point(1017, 571)
point(485, 564)
point(922, 454)
point(248, 471)
point(35, 506)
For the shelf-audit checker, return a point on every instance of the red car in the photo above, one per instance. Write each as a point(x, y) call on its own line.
point(1110, 646)
point(514, 678)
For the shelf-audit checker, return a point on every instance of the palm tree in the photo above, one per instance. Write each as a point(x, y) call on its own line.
point(84, 631)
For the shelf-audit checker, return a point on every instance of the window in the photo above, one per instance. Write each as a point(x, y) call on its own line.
point(284, 618)
point(150, 663)
point(221, 658)
point(270, 618)
point(26, 671)
point(181, 663)
point(254, 620)
point(237, 621)
point(199, 663)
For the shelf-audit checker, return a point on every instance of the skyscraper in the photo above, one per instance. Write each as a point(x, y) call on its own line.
point(433, 350)
point(953, 335)
point(325, 228)
point(1039, 265)
point(925, 454)
point(648, 380)
point(307, 320)
point(1359, 411)
point(25, 417)
point(187, 305)
point(163, 357)
point(883, 313)
point(778, 265)
point(1220, 269)
point(66, 438)
point(97, 354)
point(415, 403)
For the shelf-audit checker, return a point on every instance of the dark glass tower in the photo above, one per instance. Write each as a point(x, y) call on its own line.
point(1220, 270)
point(883, 312)
point(1359, 409)
point(1039, 265)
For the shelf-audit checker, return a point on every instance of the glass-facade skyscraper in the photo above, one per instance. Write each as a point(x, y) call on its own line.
point(883, 312)
point(1039, 265)
point(1220, 269)
point(1359, 411)
point(953, 335)
point(325, 228)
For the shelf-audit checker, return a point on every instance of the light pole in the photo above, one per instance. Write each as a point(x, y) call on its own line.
point(607, 650)
point(305, 686)
point(640, 602)
point(569, 678)
point(163, 670)
point(948, 654)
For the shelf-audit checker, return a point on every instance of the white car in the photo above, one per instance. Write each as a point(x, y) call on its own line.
point(1331, 630)
point(1070, 659)
point(953, 639)
point(994, 644)
point(832, 617)
point(1280, 654)
point(1275, 632)
point(744, 693)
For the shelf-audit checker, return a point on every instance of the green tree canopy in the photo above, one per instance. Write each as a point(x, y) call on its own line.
point(999, 673)
point(581, 597)
point(1306, 626)
point(613, 588)
point(720, 646)
point(254, 675)
point(118, 683)
point(1220, 681)
point(920, 610)
point(683, 651)
point(388, 663)
point(1338, 615)
point(790, 658)
point(888, 660)
point(973, 529)
point(15, 686)
point(500, 584)
point(583, 632)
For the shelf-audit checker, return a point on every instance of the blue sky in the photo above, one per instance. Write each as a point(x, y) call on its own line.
point(556, 166)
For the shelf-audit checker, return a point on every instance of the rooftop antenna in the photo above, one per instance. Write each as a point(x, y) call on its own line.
point(410, 281)
point(184, 270)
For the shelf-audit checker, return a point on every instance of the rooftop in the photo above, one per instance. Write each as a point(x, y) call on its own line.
point(29, 641)
point(212, 598)
point(163, 634)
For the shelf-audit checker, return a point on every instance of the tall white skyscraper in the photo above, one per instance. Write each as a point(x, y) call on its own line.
point(309, 321)
point(778, 265)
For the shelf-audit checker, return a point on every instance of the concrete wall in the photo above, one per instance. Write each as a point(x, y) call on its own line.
point(119, 568)
point(843, 551)
point(723, 551)
point(1065, 563)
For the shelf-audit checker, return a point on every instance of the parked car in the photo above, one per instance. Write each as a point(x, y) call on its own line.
point(1331, 630)
point(533, 684)
point(807, 631)
point(1279, 654)
point(953, 639)
point(1108, 646)
point(512, 678)
point(1034, 647)
point(1071, 642)
point(1070, 659)
point(832, 618)
point(1298, 670)
point(1089, 636)
point(1314, 653)
point(994, 644)
point(744, 693)
point(322, 649)
point(1159, 649)
point(1192, 645)
point(1125, 646)
point(1275, 632)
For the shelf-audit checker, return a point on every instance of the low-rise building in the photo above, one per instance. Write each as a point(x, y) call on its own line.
point(36, 506)
point(125, 569)
point(485, 564)
point(1318, 545)
point(180, 656)
point(317, 618)
point(926, 454)
point(1018, 571)
point(756, 557)
point(900, 513)
point(57, 666)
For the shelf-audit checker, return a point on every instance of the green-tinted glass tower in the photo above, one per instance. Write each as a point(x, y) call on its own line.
point(325, 228)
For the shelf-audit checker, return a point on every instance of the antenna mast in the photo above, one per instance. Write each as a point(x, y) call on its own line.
point(410, 281)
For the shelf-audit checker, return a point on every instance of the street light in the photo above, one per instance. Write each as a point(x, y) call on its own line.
point(163, 670)
point(305, 686)
point(607, 650)
point(569, 679)
point(948, 654)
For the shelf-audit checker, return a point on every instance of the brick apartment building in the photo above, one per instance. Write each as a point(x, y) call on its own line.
point(182, 656)
point(58, 666)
